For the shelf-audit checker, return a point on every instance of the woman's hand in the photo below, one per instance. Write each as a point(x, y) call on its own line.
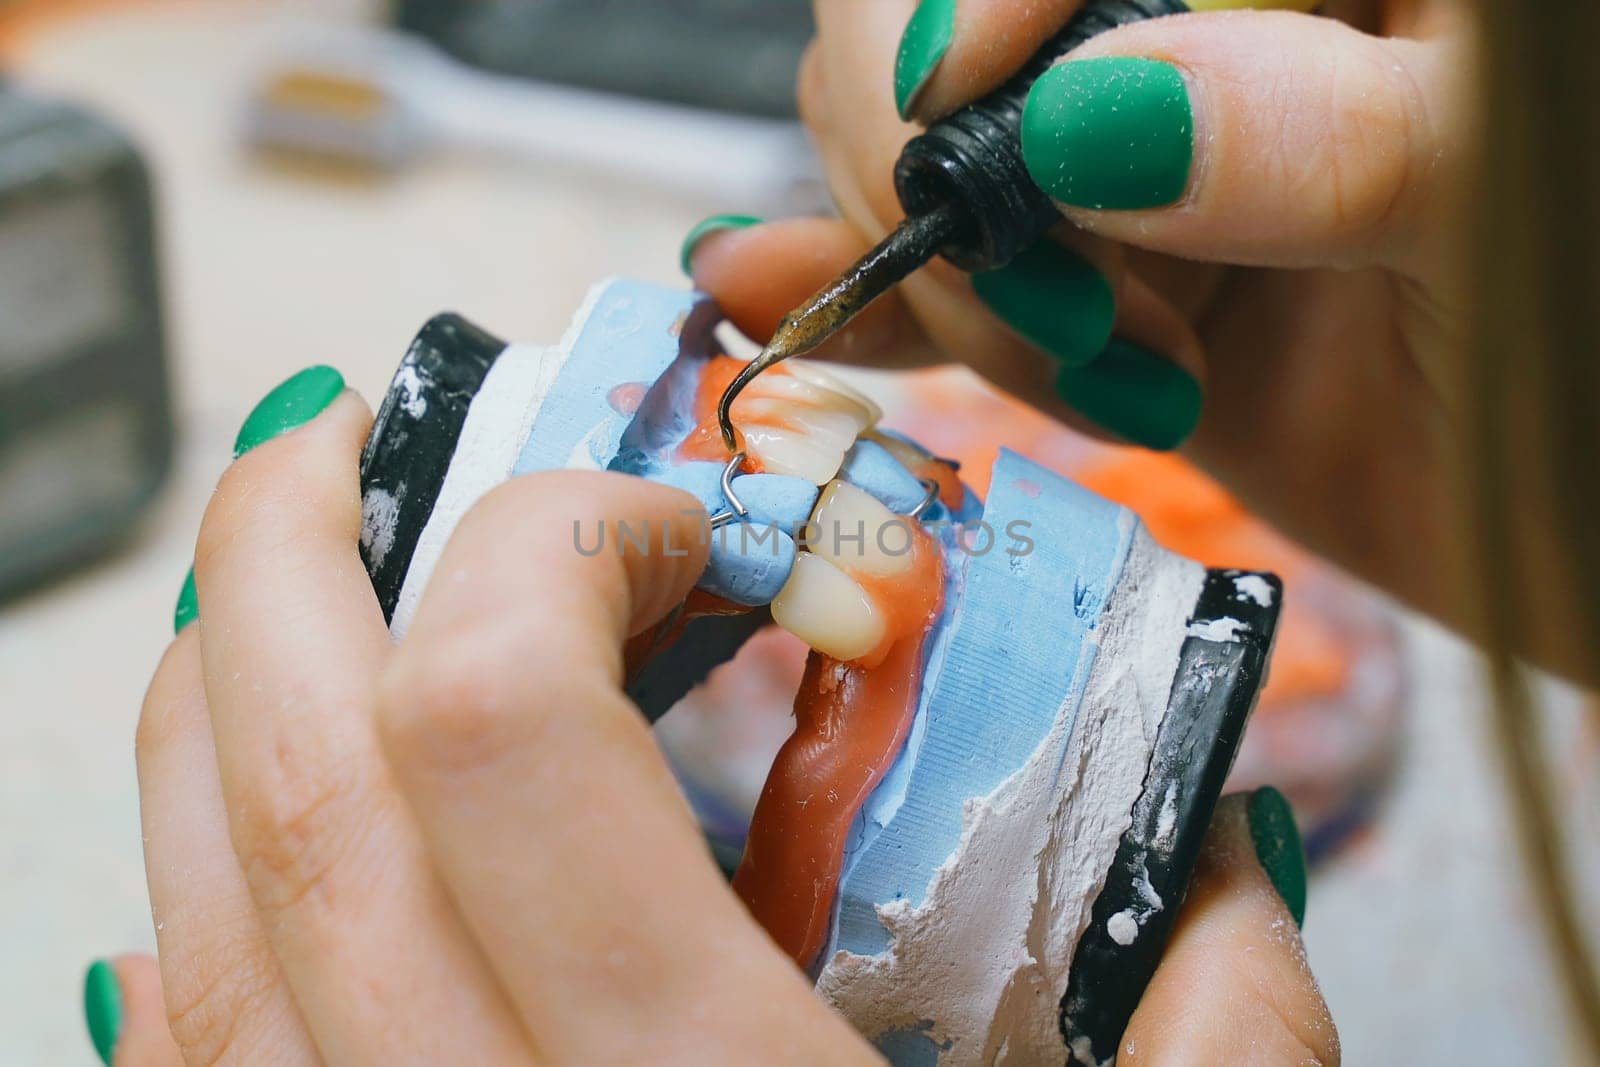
point(467, 848)
point(1263, 209)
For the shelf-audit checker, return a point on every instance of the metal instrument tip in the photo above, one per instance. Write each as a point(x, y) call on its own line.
point(915, 241)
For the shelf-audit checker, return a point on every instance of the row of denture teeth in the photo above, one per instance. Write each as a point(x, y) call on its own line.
point(851, 534)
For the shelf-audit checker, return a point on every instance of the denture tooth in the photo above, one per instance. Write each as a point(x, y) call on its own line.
point(824, 607)
point(817, 394)
point(801, 455)
point(853, 530)
point(838, 427)
point(910, 456)
point(814, 374)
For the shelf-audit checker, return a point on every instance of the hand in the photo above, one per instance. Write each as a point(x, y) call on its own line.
point(1289, 249)
point(467, 848)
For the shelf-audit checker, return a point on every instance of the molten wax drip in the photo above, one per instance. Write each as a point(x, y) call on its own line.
point(850, 722)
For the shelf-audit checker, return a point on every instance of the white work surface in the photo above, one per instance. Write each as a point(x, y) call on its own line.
point(1421, 933)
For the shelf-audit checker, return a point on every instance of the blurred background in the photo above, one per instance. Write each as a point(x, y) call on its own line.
point(200, 197)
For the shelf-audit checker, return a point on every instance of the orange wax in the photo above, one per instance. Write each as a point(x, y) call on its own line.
point(850, 721)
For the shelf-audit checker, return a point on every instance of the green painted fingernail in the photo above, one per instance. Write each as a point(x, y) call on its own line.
point(102, 1008)
point(289, 406)
point(1135, 394)
point(922, 46)
point(706, 227)
point(1110, 133)
point(188, 607)
point(1053, 297)
point(1278, 847)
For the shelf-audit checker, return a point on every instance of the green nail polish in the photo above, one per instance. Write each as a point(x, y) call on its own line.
point(1110, 133)
point(1053, 297)
point(1277, 843)
point(188, 607)
point(102, 1008)
point(922, 46)
point(1135, 394)
point(289, 406)
point(706, 227)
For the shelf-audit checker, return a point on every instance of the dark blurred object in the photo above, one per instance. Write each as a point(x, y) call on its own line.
point(85, 422)
point(727, 55)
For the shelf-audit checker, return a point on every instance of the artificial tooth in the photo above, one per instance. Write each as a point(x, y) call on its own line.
point(910, 456)
point(838, 427)
point(814, 374)
point(852, 529)
point(819, 394)
point(801, 455)
point(824, 607)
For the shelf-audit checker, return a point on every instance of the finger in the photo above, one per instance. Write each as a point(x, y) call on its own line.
point(554, 818)
point(954, 51)
point(1144, 387)
point(759, 274)
point(126, 1018)
point(226, 1001)
point(1234, 986)
point(292, 643)
point(844, 103)
point(1147, 385)
point(1062, 297)
point(1256, 138)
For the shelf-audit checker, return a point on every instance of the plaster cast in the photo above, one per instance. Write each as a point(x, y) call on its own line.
point(491, 439)
point(978, 967)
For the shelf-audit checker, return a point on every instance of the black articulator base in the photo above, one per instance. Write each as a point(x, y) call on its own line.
point(412, 441)
point(1212, 697)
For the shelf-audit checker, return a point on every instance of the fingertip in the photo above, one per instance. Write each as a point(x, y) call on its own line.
point(1278, 847)
point(701, 233)
point(760, 273)
point(661, 573)
point(103, 1008)
point(125, 1013)
point(187, 609)
point(1234, 983)
point(1137, 394)
point(289, 405)
point(923, 45)
point(1054, 298)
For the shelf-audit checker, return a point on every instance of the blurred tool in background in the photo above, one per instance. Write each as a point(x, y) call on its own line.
point(721, 55)
point(85, 413)
point(693, 98)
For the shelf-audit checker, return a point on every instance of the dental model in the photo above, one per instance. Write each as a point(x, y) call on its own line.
point(1017, 714)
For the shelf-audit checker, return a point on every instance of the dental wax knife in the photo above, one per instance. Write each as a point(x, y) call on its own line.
point(966, 192)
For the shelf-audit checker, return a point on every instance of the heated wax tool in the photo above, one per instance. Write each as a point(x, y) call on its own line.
point(966, 190)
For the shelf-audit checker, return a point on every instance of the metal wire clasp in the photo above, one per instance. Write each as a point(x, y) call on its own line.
point(738, 510)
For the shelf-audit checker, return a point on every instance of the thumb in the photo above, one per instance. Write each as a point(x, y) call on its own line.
point(1251, 137)
point(1233, 985)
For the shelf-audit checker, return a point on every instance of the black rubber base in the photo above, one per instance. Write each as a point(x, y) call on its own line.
point(412, 441)
point(1212, 696)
